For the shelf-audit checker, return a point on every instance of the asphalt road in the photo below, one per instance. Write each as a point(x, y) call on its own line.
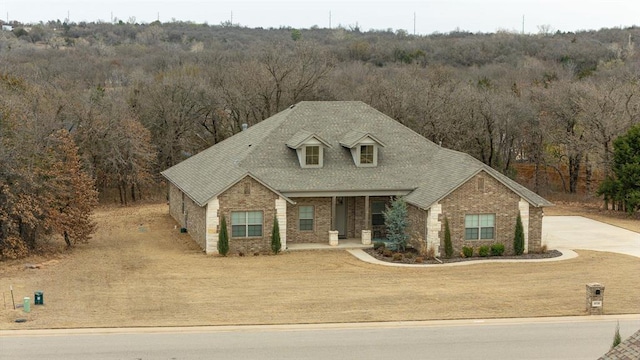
point(577, 232)
point(546, 338)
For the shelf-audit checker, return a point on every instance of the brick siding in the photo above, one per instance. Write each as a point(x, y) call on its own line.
point(321, 221)
point(483, 194)
point(249, 195)
point(193, 217)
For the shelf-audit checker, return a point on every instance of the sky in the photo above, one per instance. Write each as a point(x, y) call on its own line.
point(419, 17)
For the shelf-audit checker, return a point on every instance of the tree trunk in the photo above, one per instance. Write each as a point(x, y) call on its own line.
point(133, 192)
point(66, 239)
point(588, 175)
point(574, 172)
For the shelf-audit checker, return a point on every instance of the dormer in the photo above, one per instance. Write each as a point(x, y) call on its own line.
point(310, 149)
point(364, 148)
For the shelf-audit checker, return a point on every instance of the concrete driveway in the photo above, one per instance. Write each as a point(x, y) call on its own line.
point(577, 232)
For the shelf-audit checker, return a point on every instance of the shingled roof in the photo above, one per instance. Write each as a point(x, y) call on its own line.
point(408, 162)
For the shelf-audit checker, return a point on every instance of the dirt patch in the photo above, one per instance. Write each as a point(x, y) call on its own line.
point(141, 271)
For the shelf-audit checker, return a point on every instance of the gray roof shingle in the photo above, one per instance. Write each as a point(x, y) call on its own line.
point(408, 160)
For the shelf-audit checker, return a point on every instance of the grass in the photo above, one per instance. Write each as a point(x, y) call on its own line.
point(140, 271)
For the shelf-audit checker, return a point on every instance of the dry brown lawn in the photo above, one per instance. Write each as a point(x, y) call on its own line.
point(139, 271)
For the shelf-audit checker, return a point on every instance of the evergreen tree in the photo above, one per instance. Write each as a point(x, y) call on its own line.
point(623, 186)
point(395, 219)
point(223, 238)
point(448, 245)
point(275, 237)
point(617, 339)
point(518, 239)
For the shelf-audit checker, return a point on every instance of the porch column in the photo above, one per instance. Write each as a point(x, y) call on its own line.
point(523, 206)
point(366, 213)
point(281, 215)
point(333, 213)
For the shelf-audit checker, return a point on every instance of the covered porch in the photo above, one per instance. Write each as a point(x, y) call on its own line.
point(341, 220)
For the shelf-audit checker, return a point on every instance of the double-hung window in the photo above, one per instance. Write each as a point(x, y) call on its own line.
point(305, 216)
point(312, 155)
point(377, 213)
point(366, 154)
point(479, 227)
point(246, 224)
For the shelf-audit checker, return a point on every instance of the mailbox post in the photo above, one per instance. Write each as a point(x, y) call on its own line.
point(595, 299)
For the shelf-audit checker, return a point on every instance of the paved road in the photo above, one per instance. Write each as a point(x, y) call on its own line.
point(577, 232)
point(547, 338)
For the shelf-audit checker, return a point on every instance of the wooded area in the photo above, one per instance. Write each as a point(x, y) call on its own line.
point(114, 104)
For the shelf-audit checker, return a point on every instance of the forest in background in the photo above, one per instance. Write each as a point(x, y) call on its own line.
point(125, 101)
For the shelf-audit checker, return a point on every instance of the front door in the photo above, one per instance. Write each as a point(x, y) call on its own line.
point(341, 217)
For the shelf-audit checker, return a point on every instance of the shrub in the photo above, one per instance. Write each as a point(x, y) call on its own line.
point(448, 245)
point(408, 255)
point(397, 256)
point(467, 251)
point(419, 260)
point(484, 250)
point(378, 245)
point(223, 238)
point(617, 339)
point(387, 252)
point(497, 249)
point(518, 239)
point(276, 245)
point(543, 249)
point(431, 253)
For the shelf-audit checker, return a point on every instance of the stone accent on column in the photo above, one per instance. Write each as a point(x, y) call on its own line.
point(212, 222)
point(523, 206)
point(366, 237)
point(281, 215)
point(434, 225)
point(333, 237)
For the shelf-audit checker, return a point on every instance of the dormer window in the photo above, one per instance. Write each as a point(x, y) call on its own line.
point(364, 148)
point(366, 154)
point(312, 155)
point(309, 147)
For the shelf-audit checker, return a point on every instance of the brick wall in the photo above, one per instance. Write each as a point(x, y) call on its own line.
point(535, 228)
point(484, 195)
point(249, 195)
point(193, 216)
point(196, 221)
point(417, 229)
point(175, 204)
point(321, 223)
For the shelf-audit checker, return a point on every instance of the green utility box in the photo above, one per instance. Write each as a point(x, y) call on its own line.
point(26, 304)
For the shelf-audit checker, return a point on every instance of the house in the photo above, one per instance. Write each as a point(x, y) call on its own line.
point(327, 170)
point(629, 349)
point(7, 28)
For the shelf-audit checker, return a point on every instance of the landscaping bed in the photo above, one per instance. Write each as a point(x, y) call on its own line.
point(412, 256)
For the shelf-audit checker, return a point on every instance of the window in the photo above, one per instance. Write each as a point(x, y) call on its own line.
point(246, 224)
point(305, 216)
point(377, 212)
point(366, 154)
point(479, 227)
point(312, 155)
